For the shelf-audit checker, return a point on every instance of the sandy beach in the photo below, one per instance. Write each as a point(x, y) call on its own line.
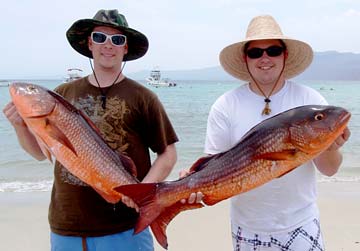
point(24, 226)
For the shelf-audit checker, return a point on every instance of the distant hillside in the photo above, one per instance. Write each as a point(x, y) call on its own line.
point(330, 65)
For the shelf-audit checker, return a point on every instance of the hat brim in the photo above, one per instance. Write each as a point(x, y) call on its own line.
point(300, 56)
point(79, 32)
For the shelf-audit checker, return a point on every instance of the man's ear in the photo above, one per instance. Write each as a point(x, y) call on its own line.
point(90, 43)
point(126, 49)
point(286, 54)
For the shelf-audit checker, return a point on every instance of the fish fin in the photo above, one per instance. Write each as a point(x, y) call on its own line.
point(90, 122)
point(72, 108)
point(107, 197)
point(43, 147)
point(282, 155)
point(286, 172)
point(211, 200)
point(54, 132)
point(46, 152)
point(63, 101)
point(159, 225)
point(200, 164)
point(143, 194)
point(129, 164)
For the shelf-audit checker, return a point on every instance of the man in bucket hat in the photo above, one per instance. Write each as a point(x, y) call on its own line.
point(282, 214)
point(131, 120)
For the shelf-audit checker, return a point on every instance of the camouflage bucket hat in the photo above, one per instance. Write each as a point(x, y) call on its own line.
point(79, 32)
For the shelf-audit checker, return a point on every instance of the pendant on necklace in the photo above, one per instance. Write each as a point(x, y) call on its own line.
point(267, 109)
point(103, 101)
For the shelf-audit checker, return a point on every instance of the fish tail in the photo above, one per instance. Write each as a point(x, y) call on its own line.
point(143, 195)
point(152, 212)
point(159, 225)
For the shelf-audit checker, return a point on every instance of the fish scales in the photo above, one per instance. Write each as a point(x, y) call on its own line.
point(72, 129)
point(236, 166)
point(244, 174)
point(101, 161)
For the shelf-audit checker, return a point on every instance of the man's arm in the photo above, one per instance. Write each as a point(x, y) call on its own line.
point(329, 161)
point(162, 165)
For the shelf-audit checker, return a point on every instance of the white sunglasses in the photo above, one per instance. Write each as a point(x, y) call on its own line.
point(100, 38)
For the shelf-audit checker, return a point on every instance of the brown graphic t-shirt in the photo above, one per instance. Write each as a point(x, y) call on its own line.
point(133, 121)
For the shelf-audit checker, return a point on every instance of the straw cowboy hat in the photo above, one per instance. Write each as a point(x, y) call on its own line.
point(300, 54)
point(79, 32)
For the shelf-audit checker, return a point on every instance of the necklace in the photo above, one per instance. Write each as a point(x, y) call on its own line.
point(105, 92)
point(266, 110)
point(267, 100)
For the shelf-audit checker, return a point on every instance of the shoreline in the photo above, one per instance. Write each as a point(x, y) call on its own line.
point(24, 224)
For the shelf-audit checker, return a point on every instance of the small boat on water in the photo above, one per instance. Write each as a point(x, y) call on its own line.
point(73, 74)
point(4, 83)
point(156, 80)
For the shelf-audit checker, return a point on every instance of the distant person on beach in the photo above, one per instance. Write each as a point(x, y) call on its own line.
point(282, 214)
point(131, 119)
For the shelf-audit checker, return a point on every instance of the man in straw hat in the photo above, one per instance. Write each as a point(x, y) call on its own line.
point(282, 214)
point(130, 118)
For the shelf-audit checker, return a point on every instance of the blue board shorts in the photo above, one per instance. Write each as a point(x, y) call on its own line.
point(124, 241)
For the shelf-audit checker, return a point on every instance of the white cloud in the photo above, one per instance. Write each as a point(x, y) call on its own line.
point(352, 13)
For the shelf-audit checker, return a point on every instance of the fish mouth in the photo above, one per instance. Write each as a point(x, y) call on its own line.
point(342, 122)
point(336, 129)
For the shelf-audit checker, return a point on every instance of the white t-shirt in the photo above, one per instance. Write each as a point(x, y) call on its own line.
point(284, 203)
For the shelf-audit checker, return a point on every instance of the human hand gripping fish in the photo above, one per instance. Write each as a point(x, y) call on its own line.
point(269, 150)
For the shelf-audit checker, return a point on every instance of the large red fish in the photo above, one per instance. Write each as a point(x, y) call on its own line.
point(66, 133)
point(269, 150)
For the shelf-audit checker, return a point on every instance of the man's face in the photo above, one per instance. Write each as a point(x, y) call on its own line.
point(265, 69)
point(107, 55)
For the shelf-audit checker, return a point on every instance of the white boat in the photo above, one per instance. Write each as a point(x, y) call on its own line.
point(4, 83)
point(73, 74)
point(156, 80)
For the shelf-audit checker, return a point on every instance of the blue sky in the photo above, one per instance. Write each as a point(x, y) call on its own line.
point(183, 34)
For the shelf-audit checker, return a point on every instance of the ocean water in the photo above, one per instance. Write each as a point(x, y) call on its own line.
point(187, 105)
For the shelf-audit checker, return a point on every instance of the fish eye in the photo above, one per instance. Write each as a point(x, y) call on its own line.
point(319, 116)
point(31, 89)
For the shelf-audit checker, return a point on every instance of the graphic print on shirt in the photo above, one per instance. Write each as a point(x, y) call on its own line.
point(110, 122)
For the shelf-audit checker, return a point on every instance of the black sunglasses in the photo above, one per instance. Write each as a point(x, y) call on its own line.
point(100, 38)
point(272, 51)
